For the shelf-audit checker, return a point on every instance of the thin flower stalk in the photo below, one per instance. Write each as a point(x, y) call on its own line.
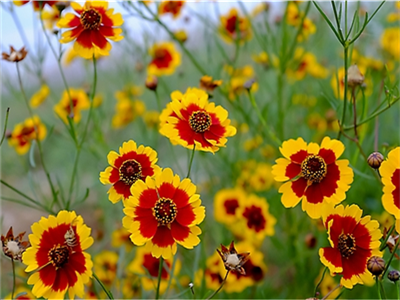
point(108, 293)
point(5, 126)
point(220, 287)
point(160, 268)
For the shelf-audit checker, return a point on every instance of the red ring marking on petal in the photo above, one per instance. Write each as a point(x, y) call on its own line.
point(98, 39)
point(152, 265)
point(163, 237)
point(292, 170)
point(333, 256)
point(61, 280)
point(122, 189)
point(299, 156)
point(396, 191)
point(299, 186)
point(114, 176)
point(148, 198)
point(179, 232)
point(85, 40)
point(167, 190)
point(356, 264)
point(185, 215)
point(181, 198)
point(314, 194)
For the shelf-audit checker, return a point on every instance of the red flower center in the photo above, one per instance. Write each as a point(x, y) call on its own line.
point(59, 255)
point(130, 171)
point(255, 218)
point(346, 245)
point(165, 211)
point(91, 19)
point(313, 169)
point(200, 121)
point(230, 206)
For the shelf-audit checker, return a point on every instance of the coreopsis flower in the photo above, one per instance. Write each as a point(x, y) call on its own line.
point(238, 78)
point(57, 255)
point(79, 101)
point(126, 111)
point(353, 241)
point(91, 28)
point(327, 284)
point(15, 55)
point(162, 212)
point(24, 133)
point(164, 59)
point(147, 267)
point(261, 58)
point(171, 7)
point(50, 18)
point(390, 42)
point(130, 165)
point(193, 121)
point(254, 222)
point(294, 17)
point(390, 173)
point(151, 119)
point(13, 247)
point(208, 84)
point(226, 204)
point(394, 16)
point(105, 266)
point(120, 237)
point(234, 27)
point(232, 260)
point(255, 176)
point(40, 96)
point(21, 293)
point(70, 55)
point(313, 174)
point(37, 5)
point(306, 64)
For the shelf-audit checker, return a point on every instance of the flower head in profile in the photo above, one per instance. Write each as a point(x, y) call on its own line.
point(313, 174)
point(37, 5)
point(14, 55)
point(164, 59)
point(40, 96)
point(208, 84)
point(233, 261)
point(192, 121)
point(353, 240)
point(91, 28)
point(234, 27)
point(57, 255)
point(390, 173)
point(294, 17)
point(171, 7)
point(147, 267)
point(24, 133)
point(13, 247)
point(130, 165)
point(77, 99)
point(162, 212)
point(238, 78)
point(306, 64)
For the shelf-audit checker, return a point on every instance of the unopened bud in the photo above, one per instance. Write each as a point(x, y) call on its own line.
point(249, 83)
point(354, 76)
point(151, 82)
point(376, 265)
point(394, 275)
point(310, 240)
point(375, 159)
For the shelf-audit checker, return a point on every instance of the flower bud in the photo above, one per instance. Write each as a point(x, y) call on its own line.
point(376, 265)
point(310, 240)
point(354, 76)
point(394, 275)
point(151, 82)
point(375, 159)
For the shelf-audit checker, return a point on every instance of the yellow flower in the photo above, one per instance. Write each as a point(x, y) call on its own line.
point(181, 35)
point(390, 172)
point(165, 59)
point(171, 7)
point(226, 204)
point(255, 176)
point(120, 237)
point(233, 27)
point(105, 266)
point(40, 96)
point(79, 100)
point(294, 17)
point(238, 78)
point(151, 119)
point(57, 256)
point(306, 64)
point(390, 41)
point(50, 18)
point(327, 284)
point(127, 111)
point(24, 133)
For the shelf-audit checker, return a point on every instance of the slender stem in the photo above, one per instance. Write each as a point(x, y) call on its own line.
point(378, 287)
point(337, 21)
point(191, 160)
point(19, 26)
point(158, 100)
point(346, 66)
point(109, 294)
point(220, 287)
point(160, 268)
point(53, 191)
point(391, 257)
point(331, 291)
point(262, 120)
point(398, 290)
point(5, 126)
point(13, 271)
point(389, 233)
point(319, 282)
point(353, 96)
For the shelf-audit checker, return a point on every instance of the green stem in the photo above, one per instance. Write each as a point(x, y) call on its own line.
point(319, 282)
point(383, 245)
point(262, 120)
point(220, 287)
point(13, 271)
point(378, 287)
point(331, 291)
point(191, 161)
point(109, 294)
point(160, 268)
point(5, 126)
point(158, 100)
point(391, 258)
point(346, 66)
point(53, 191)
